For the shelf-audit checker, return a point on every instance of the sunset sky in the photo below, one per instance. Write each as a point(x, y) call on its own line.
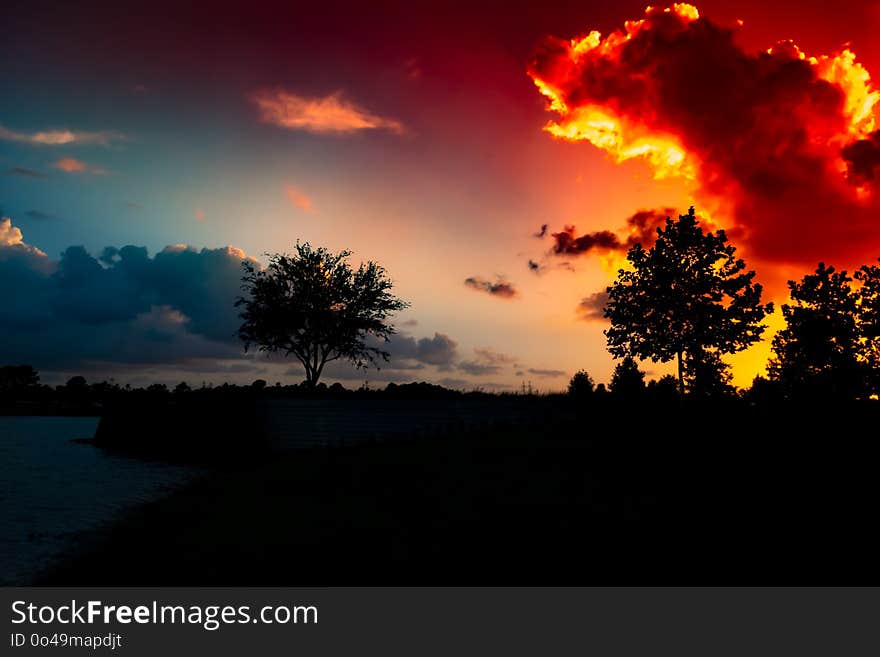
point(412, 134)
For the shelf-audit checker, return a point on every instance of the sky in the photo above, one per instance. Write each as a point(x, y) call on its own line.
point(147, 148)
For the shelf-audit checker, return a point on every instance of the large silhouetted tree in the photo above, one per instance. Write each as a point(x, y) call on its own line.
point(313, 305)
point(869, 322)
point(688, 297)
point(818, 352)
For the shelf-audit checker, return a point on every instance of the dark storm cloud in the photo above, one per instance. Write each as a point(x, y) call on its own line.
point(568, 243)
point(125, 306)
point(409, 359)
point(441, 350)
point(487, 361)
point(122, 283)
point(863, 160)
point(641, 228)
point(500, 288)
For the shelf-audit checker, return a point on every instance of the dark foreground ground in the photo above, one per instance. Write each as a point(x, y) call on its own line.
point(728, 497)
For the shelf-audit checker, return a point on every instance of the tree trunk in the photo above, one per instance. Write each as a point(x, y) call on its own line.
point(311, 380)
point(680, 374)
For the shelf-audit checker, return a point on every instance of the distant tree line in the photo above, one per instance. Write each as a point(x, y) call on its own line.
point(21, 393)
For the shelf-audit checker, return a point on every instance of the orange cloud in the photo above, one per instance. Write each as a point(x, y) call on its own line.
point(11, 239)
point(298, 199)
point(60, 137)
point(200, 215)
point(328, 115)
point(71, 165)
point(9, 234)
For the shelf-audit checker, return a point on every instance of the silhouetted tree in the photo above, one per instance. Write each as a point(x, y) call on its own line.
point(764, 391)
point(581, 385)
point(710, 376)
point(182, 387)
point(314, 306)
point(817, 353)
point(77, 383)
point(664, 390)
point(103, 388)
point(686, 297)
point(16, 377)
point(869, 322)
point(627, 380)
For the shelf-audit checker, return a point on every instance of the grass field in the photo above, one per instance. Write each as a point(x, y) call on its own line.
point(585, 501)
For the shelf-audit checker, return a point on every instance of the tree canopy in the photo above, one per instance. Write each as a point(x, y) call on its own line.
point(13, 377)
point(818, 352)
point(581, 385)
point(627, 380)
point(313, 305)
point(868, 313)
point(687, 297)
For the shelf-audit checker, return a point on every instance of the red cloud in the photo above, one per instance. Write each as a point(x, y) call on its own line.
point(781, 144)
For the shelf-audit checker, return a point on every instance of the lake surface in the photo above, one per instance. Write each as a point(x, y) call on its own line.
point(52, 488)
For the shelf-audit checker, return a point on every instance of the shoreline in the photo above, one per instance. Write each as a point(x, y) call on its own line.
point(58, 487)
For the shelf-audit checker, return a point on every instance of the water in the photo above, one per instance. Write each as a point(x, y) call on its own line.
point(52, 488)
